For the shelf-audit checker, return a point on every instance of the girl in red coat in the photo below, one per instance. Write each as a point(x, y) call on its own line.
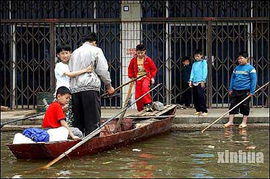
point(139, 65)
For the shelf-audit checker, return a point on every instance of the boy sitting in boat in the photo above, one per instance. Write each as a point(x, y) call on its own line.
point(55, 118)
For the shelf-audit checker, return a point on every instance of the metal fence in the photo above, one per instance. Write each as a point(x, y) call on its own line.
point(27, 44)
point(28, 58)
point(221, 40)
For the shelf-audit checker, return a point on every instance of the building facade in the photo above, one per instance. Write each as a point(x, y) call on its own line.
point(172, 29)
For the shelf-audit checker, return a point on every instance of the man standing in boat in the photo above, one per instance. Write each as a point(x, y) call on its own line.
point(139, 65)
point(85, 88)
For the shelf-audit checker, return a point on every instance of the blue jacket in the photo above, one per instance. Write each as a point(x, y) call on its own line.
point(36, 134)
point(199, 71)
point(244, 78)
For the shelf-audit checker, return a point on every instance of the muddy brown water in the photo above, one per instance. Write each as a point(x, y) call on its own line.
point(175, 154)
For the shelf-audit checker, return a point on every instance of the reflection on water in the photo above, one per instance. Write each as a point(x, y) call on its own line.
point(177, 154)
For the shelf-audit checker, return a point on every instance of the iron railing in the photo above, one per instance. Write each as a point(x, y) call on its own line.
point(30, 31)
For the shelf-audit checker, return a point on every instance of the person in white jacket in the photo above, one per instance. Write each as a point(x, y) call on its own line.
point(85, 88)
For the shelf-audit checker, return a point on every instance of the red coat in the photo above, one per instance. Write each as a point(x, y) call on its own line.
point(53, 116)
point(149, 67)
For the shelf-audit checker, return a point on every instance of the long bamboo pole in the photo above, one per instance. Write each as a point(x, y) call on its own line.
point(121, 86)
point(28, 117)
point(233, 107)
point(94, 133)
point(128, 97)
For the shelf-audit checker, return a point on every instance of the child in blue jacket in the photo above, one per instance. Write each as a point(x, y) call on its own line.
point(197, 80)
point(243, 84)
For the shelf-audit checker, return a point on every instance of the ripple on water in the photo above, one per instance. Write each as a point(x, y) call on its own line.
point(178, 154)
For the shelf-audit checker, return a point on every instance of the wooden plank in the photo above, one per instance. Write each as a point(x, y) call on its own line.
point(154, 113)
point(149, 113)
point(140, 113)
point(168, 107)
point(4, 108)
point(152, 117)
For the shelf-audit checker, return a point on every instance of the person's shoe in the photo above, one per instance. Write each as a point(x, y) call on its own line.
point(241, 126)
point(197, 113)
point(227, 125)
point(148, 108)
point(204, 114)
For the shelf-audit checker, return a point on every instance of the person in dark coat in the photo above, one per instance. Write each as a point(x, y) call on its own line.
point(186, 96)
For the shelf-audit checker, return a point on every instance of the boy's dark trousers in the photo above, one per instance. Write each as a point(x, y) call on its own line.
point(199, 99)
point(186, 96)
point(236, 97)
point(87, 111)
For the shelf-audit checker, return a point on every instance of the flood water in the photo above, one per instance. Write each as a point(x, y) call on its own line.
point(175, 154)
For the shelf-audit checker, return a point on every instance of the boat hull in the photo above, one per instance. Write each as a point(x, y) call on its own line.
point(94, 145)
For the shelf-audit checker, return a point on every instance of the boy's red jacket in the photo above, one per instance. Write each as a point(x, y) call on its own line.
point(149, 67)
point(53, 116)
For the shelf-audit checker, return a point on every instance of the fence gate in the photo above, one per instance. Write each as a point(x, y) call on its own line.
point(28, 57)
point(220, 39)
point(30, 31)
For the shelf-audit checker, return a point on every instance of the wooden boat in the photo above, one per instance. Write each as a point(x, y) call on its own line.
point(153, 123)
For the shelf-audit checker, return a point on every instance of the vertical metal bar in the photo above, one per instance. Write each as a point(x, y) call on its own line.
point(262, 52)
point(44, 64)
point(13, 64)
point(52, 57)
point(27, 65)
point(186, 33)
point(221, 58)
point(21, 63)
point(209, 61)
point(264, 97)
point(268, 64)
point(250, 48)
point(168, 61)
point(95, 15)
point(223, 77)
point(180, 55)
point(13, 59)
point(228, 61)
point(120, 56)
point(215, 63)
point(216, 39)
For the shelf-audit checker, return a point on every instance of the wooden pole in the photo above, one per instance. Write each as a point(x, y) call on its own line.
point(94, 133)
point(119, 87)
point(125, 105)
point(233, 107)
point(28, 117)
point(16, 120)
